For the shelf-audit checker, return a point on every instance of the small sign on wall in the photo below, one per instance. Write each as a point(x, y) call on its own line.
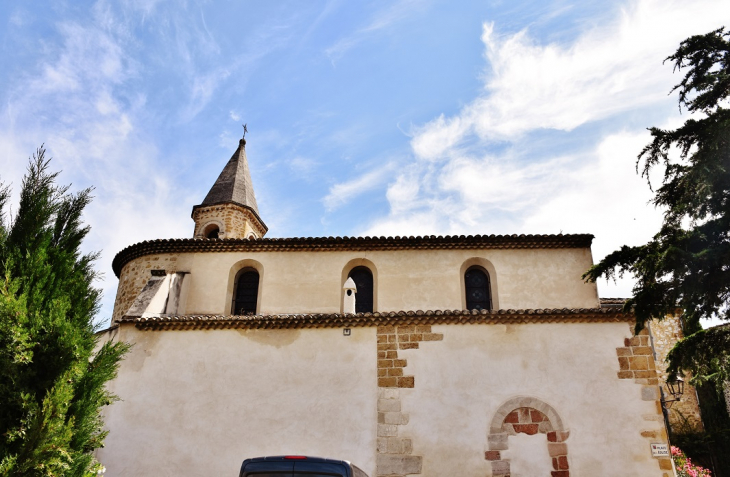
point(660, 450)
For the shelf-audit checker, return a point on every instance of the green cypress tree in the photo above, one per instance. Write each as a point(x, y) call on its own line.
point(52, 377)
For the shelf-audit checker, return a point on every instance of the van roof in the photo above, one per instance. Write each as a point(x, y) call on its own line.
point(281, 458)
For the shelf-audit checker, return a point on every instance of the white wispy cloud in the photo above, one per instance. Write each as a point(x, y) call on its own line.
point(343, 192)
point(195, 58)
point(303, 166)
point(608, 70)
point(382, 20)
point(459, 182)
point(202, 89)
point(77, 101)
point(19, 17)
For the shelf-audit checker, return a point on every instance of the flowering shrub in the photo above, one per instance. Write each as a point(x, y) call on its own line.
point(685, 467)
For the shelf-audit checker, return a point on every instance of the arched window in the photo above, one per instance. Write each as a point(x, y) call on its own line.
point(247, 292)
point(363, 278)
point(211, 231)
point(476, 284)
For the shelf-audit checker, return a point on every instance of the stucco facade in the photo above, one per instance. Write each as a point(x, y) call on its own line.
point(311, 282)
point(196, 402)
point(542, 380)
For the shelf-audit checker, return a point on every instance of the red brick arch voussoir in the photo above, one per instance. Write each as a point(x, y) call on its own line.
point(531, 416)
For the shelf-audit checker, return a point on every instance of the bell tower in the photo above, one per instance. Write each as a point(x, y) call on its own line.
point(229, 210)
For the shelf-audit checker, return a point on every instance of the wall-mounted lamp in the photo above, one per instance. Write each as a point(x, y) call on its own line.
point(675, 386)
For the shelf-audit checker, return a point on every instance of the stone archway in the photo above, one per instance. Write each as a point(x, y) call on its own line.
point(530, 416)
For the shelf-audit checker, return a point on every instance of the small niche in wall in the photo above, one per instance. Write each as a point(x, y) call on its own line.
point(212, 234)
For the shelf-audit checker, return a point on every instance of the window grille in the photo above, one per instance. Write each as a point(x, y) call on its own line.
point(478, 295)
point(247, 291)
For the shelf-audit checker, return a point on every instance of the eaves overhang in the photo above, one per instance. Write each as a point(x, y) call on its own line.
point(396, 318)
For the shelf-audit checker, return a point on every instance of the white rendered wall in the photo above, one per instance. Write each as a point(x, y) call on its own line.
point(196, 403)
point(311, 282)
point(199, 402)
point(462, 381)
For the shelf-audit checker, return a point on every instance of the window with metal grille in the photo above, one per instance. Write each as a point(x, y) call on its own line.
point(247, 292)
point(363, 278)
point(478, 295)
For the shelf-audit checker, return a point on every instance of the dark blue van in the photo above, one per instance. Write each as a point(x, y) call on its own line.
point(298, 466)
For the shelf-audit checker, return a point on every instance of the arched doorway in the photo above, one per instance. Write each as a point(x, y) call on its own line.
point(530, 416)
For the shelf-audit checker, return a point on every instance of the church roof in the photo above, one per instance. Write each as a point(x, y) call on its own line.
point(395, 318)
point(332, 244)
point(612, 302)
point(234, 183)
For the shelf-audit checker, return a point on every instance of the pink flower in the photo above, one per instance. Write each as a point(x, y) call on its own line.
point(685, 467)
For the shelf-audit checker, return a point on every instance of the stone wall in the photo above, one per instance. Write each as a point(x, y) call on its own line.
point(233, 221)
point(135, 276)
point(467, 385)
point(684, 416)
point(636, 361)
point(397, 399)
point(394, 459)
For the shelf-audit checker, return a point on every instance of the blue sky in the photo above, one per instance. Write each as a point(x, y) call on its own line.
point(401, 117)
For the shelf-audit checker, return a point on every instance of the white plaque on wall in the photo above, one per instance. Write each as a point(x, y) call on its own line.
point(660, 450)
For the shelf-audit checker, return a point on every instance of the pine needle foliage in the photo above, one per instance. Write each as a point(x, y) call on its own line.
point(51, 378)
point(686, 265)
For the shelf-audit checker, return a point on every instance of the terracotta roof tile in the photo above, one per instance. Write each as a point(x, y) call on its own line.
point(339, 320)
point(612, 302)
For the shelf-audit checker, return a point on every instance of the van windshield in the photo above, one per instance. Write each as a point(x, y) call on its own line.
point(297, 474)
point(282, 466)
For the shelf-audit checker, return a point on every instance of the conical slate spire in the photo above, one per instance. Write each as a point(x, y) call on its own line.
point(234, 183)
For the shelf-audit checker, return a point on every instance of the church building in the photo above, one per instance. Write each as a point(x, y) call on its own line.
point(480, 355)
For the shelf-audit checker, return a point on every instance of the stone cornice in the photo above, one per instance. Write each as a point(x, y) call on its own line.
point(330, 244)
point(339, 320)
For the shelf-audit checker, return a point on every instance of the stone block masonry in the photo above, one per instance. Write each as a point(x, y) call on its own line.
point(684, 415)
point(394, 457)
point(236, 221)
point(636, 361)
point(390, 340)
point(135, 276)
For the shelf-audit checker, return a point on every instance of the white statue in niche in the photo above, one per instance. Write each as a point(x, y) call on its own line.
point(350, 291)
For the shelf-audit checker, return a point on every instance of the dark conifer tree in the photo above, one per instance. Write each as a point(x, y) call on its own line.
point(52, 377)
point(686, 266)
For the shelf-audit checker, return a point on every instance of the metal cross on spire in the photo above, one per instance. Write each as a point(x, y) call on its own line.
point(245, 130)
